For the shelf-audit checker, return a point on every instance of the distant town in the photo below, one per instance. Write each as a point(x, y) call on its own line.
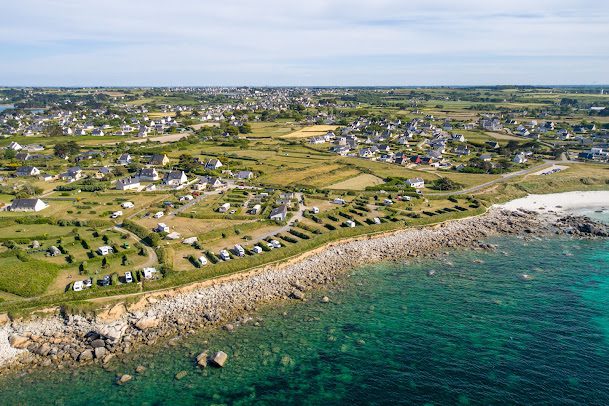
point(121, 190)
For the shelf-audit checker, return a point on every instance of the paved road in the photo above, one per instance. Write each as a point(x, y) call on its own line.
point(502, 179)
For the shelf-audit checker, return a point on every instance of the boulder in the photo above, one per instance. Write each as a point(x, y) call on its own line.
point(140, 369)
point(4, 319)
point(123, 379)
point(86, 355)
point(325, 299)
point(43, 349)
point(17, 341)
point(99, 343)
point(218, 359)
point(181, 375)
point(147, 322)
point(202, 359)
point(100, 352)
point(297, 294)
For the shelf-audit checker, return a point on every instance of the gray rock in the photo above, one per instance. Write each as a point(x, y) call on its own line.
point(202, 359)
point(123, 379)
point(181, 375)
point(98, 343)
point(86, 355)
point(100, 352)
point(219, 358)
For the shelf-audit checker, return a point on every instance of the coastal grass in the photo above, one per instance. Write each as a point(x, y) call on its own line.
point(176, 279)
point(26, 277)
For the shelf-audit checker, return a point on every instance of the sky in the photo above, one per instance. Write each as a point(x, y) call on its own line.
point(303, 43)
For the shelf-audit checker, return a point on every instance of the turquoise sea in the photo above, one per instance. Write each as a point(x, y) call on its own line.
point(476, 332)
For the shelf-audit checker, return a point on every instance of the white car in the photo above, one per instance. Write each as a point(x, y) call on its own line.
point(202, 260)
point(224, 255)
point(158, 214)
point(275, 244)
point(315, 210)
point(257, 249)
point(127, 205)
point(350, 223)
point(149, 272)
point(128, 277)
point(78, 286)
point(377, 220)
point(116, 214)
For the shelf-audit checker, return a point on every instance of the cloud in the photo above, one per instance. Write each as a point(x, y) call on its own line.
point(325, 42)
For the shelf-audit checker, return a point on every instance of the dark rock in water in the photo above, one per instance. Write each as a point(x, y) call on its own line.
point(219, 358)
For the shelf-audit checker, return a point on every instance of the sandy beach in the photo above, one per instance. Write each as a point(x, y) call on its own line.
point(561, 202)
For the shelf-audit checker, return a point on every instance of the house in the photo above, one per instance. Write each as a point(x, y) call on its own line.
point(486, 157)
point(148, 175)
point(72, 174)
point(492, 144)
point(213, 164)
point(14, 146)
point(245, 175)
point(124, 159)
point(175, 178)
point(279, 213)
point(462, 150)
point(105, 250)
point(27, 171)
point(128, 184)
point(211, 182)
point(27, 205)
point(161, 228)
point(47, 178)
point(224, 208)
point(416, 183)
point(520, 158)
point(159, 160)
point(24, 156)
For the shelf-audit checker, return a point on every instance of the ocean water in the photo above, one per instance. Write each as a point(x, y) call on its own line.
point(475, 332)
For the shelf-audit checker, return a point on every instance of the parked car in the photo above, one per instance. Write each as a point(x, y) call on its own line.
point(87, 283)
point(257, 249)
point(78, 285)
point(275, 244)
point(158, 215)
point(116, 214)
point(224, 255)
point(105, 281)
point(239, 250)
point(128, 277)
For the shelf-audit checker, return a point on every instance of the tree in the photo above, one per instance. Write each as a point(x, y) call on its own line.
point(445, 184)
point(66, 149)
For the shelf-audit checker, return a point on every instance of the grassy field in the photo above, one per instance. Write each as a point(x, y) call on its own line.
point(359, 182)
point(26, 277)
point(310, 131)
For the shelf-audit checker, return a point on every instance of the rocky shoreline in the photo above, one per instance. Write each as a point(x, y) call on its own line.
point(63, 341)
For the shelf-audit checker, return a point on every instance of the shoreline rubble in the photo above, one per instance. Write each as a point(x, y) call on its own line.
point(67, 340)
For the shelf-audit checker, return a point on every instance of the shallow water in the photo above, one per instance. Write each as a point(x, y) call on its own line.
point(476, 332)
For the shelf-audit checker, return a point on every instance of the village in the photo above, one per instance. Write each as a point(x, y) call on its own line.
point(112, 191)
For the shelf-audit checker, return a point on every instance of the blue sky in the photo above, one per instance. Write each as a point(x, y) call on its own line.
point(317, 42)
